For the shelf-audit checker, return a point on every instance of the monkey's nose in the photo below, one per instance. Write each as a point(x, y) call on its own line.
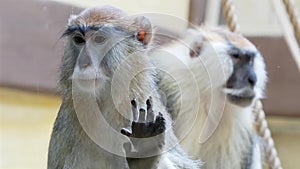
point(84, 61)
point(252, 79)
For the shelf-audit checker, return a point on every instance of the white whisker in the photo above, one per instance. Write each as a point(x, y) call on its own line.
point(236, 92)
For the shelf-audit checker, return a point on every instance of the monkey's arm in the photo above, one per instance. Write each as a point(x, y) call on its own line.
point(144, 128)
point(62, 139)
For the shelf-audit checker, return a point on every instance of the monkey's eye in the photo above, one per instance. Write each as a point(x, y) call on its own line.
point(99, 39)
point(235, 55)
point(78, 40)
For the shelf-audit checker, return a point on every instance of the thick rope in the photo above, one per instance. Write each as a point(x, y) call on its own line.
point(291, 10)
point(230, 16)
point(264, 131)
point(287, 30)
point(260, 119)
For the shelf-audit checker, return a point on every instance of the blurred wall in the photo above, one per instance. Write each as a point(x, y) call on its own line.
point(30, 48)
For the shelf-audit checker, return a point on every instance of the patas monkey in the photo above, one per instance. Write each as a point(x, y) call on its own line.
point(212, 80)
point(104, 50)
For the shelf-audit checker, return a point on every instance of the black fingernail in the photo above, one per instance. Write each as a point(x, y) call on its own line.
point(125, 132)
point(133, 103)
point(149, 103)
point(149, 100)
point(142, 110)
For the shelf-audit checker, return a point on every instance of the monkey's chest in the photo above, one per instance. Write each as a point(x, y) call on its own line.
point(93, 157)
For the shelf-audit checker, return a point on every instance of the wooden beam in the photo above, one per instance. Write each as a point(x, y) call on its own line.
point(287, 31)
point(197, 11)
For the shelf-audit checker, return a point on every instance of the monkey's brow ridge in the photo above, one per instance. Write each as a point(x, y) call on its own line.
point(81, 28)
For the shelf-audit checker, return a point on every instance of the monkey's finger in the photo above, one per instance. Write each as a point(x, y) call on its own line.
point(127, 148)
point(160, 123)
point(150, 114)
point(126, 132)
point(160, 115)
point(134, 109)
point(142, 115)
point(149, 103)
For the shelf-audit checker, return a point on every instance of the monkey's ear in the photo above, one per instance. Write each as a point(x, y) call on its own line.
point(144, 30)
point(196, 49)
point(195, 38)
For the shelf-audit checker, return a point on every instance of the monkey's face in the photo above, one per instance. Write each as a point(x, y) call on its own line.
point(97, 55)
point(98, 41)
point(242, 81)
point(248, 77)
point(243, 65)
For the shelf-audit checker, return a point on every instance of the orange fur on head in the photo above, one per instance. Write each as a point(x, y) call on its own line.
point(234, 38)
point(97, 16)
point(102, 15)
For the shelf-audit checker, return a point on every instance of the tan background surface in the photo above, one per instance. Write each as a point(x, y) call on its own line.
point(26, 121)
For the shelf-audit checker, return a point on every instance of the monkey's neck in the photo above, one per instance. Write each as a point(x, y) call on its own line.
point(230, 144)
point(229, 141)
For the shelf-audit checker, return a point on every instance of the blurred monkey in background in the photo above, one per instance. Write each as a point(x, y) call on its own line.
point(215, 77)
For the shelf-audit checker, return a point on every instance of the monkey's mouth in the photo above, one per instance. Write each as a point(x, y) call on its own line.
point(86, 79)
point(240, 97)
point(240, 100)
point(87, 83)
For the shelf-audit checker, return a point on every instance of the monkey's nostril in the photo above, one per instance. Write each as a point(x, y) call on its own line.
point(84, 62)
point(82, 66)
point(252, 80)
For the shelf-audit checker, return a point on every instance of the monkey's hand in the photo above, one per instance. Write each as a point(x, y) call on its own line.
point(144, 150)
